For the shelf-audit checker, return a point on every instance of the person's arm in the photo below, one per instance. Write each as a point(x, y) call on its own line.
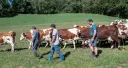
point(94, 34)
point(53, 37)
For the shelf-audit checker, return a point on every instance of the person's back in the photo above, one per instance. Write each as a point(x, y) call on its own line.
point(36, 36)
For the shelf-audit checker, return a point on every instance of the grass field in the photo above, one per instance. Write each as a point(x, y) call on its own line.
point(79, 58)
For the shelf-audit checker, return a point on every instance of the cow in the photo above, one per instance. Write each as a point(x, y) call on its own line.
point(109, 33)
point(122, 28)
point(69, 35)
point(82, 28)
point(27, 36)
point(44, 36)
point(8, 37)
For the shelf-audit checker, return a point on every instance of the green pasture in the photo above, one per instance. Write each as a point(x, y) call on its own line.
point(79, 58)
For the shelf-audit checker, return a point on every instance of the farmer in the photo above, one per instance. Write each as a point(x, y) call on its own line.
point(93, 38)
point(55, 43)
point(35, 40)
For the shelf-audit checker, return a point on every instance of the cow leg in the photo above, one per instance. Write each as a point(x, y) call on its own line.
point(61, 44)
point(12, 44)
point(74, 44)
point(116, 39)
point(83, 43)
point(112, 44)
point(46, 44)
point(30, 45)
point(65, 44)
point(12, 48)
point(111, 39)
point(100, 43)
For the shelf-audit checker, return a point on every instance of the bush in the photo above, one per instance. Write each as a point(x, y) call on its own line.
point(106, 7)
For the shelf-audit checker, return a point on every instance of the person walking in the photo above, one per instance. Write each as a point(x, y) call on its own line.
point(35, 40)
point(93, 38)
point(55, 43)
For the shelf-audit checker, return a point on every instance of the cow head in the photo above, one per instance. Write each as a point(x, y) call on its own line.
point(12, 33)
point(80, 28)
point(75, 26)
point(122, 27)
point(22, 36)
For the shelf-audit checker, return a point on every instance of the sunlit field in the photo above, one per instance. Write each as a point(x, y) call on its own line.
point(79, 58)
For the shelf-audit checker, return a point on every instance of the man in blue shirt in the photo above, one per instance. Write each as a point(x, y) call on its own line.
point(55, 43)
point(93, 38)
point(35, 40)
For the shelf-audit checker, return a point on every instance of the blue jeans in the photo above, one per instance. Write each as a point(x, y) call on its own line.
point(55, 48)
point(35, 46)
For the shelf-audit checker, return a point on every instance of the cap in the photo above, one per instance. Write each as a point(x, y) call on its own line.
point(53, 25)
point(33, 27)
point(90, 20)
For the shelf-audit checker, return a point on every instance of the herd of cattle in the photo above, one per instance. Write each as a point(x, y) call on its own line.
point(113, 33)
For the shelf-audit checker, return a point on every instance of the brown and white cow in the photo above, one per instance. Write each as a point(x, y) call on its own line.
point(69, 35)
point(44, 36)
point(82, 28)
point(8, 37)
point(109, 33)
point(27, 36)
point(122, 27)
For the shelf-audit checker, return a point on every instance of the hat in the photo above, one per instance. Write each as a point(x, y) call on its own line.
point(53, 25)
point(90, 20)
point(33, 27)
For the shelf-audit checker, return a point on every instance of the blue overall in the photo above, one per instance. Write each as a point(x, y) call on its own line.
point(35, 40)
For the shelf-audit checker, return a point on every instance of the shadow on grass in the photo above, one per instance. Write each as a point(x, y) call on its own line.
point(43, 44)
point(16, 49)
point(65, 55)
point(99, 52)
point(41, 56)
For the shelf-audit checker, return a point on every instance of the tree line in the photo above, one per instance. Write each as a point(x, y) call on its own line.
point(117, 8)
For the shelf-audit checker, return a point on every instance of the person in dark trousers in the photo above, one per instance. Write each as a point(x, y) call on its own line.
point(55, 43)
point(35, 40)
point(93, 38)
